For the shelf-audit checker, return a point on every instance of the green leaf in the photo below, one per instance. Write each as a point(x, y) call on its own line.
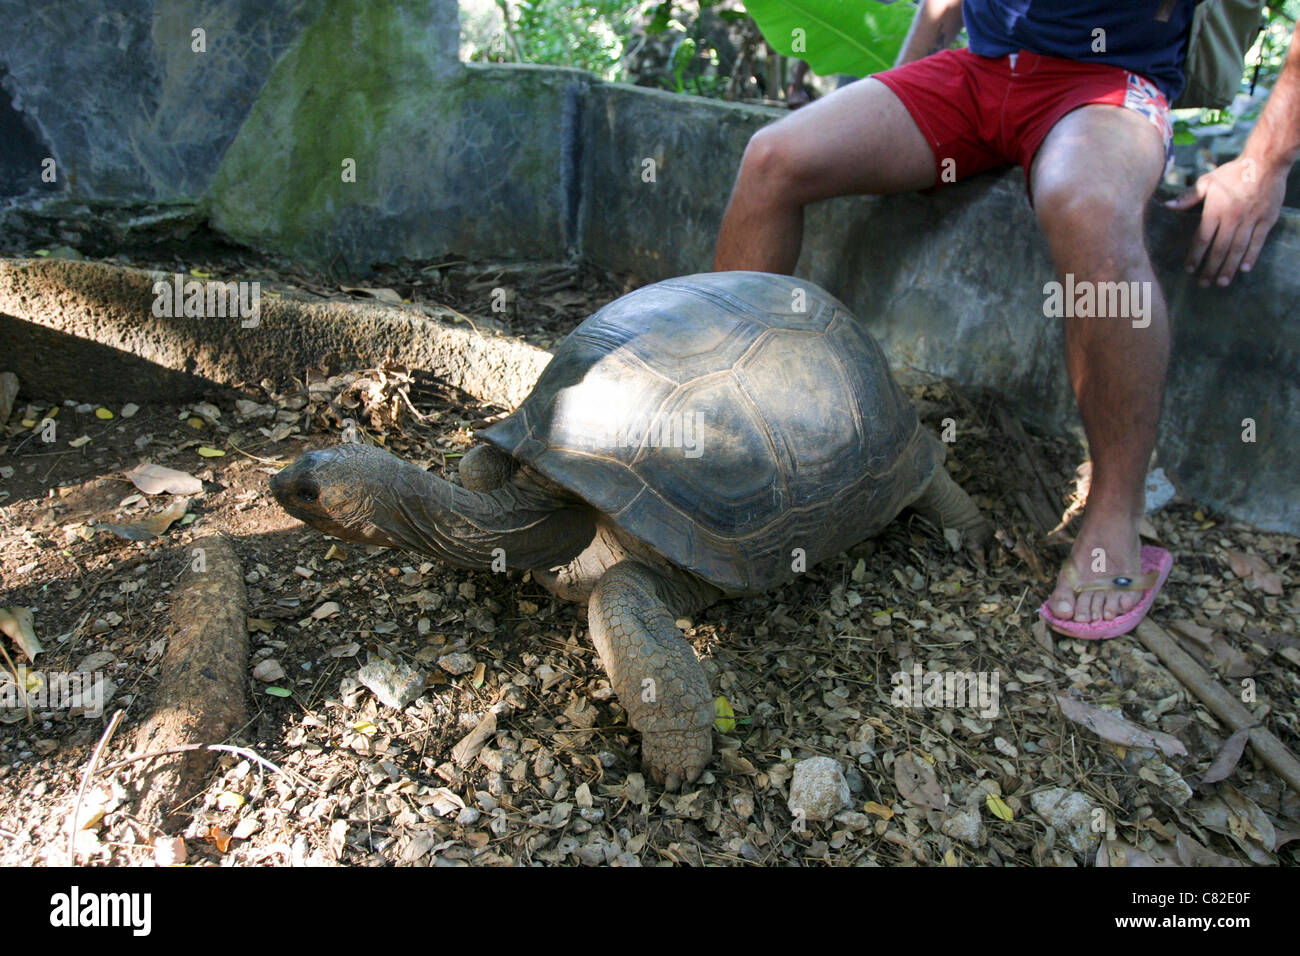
point(279, 692)
point(858, 37)
point(724, 718)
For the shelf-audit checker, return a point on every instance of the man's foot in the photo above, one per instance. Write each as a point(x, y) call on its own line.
point(1102, 552)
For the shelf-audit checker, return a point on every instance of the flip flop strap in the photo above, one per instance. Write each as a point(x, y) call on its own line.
point(1118, 583)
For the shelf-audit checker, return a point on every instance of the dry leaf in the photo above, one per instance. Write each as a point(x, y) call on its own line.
point(998, 807)
point(473, 742)
point(917, 783)
point(152, 526)
point(1228, 756)
point(1117, 730)
point(157, 480)
point(219, 837)
point(18, 623)
point(878, 810)
point(1256, 572)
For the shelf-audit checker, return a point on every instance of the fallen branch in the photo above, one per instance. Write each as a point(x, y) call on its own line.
point(85, 782)
point(1227, 708)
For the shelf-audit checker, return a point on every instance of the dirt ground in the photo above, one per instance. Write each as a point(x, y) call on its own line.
point(806, 668)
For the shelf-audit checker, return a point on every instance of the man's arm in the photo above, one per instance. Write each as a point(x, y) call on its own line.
point(1243, 198)
point(934, 28)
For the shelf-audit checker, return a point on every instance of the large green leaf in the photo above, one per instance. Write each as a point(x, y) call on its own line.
point(858, 37)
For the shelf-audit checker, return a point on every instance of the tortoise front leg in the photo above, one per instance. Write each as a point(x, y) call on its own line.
point(658, 679)
point(486, 468)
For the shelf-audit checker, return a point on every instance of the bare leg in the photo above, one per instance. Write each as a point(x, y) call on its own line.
point(1091, 181)
point(860, 139)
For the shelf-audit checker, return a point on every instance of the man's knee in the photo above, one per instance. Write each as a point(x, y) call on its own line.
point(1087, 217)
point(772, 161)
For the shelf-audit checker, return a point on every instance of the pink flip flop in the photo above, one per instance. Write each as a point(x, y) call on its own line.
point(1156, 564)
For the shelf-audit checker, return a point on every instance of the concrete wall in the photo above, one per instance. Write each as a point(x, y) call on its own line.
point(547, 163)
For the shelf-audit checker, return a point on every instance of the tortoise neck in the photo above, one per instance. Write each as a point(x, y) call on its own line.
point(521, 524)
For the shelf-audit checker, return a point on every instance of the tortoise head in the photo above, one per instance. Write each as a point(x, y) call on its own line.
point(343, 491)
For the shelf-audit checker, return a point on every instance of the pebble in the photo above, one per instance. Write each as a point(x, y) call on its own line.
point(818, 789)
point(457, 663)
point(268, 670)
point(468, 817)
point(395, 684)
point(1070, 814)
point(965, 826)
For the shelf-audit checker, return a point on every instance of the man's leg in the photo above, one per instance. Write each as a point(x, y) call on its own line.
point(860, 139)
point(1091, 181)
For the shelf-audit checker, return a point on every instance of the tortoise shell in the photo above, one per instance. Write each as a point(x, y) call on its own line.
point(739, 423)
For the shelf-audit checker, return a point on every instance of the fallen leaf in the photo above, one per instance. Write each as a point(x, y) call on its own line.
point(18, 623)
point(1116, 729)
point(157, 480)
point(1226, 760)
point(724, 718)
point(103, 414)
point(1255, 571)
point(154, 525)
point(219, 837)
point(917, 783)
point(473, 742)
point(207, 452)
point(878, 810)
point(998, 807)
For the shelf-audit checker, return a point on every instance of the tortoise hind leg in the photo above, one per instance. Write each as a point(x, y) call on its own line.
point(945, 504)
point(654, 670)
point(486, 468)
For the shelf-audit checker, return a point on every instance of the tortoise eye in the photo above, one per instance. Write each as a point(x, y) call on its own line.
point(308, 493)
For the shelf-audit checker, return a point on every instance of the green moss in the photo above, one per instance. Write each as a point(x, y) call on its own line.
point(334, 96)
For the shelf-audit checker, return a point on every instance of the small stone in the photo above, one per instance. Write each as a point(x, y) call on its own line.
point(268, 670)
point(457, 663)
point(468, 817)
point(129, 410)
point(395, 684)
point(966, 827)
point(1070, 814)
point(818, 789)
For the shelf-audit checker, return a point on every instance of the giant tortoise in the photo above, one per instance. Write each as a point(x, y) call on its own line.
point(700, 438)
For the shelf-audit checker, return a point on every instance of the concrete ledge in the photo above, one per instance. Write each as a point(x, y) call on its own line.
point(86, 330)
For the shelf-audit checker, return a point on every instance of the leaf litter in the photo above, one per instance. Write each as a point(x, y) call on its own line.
point(523, 755)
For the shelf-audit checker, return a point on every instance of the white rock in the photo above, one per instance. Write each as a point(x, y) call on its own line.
point(818, 789)
point(1071, 814)
point(965, 826)
point(395, 684)
point(268, 670)
point(457, 663)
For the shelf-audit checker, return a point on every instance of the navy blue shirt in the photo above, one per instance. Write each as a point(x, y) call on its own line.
point(1134, 38)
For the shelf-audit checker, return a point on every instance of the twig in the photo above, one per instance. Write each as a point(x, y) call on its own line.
point(290, 775)
point(18, 683)
point(1267, 747)
point(85, 782)
point(265, 461)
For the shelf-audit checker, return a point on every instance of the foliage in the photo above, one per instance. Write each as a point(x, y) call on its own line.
point(857, 37)
point(589, 34)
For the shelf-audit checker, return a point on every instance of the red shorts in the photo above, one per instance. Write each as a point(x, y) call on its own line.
point(981, 112)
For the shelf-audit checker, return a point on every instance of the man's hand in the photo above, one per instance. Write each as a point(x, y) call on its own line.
point(1242, 200)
